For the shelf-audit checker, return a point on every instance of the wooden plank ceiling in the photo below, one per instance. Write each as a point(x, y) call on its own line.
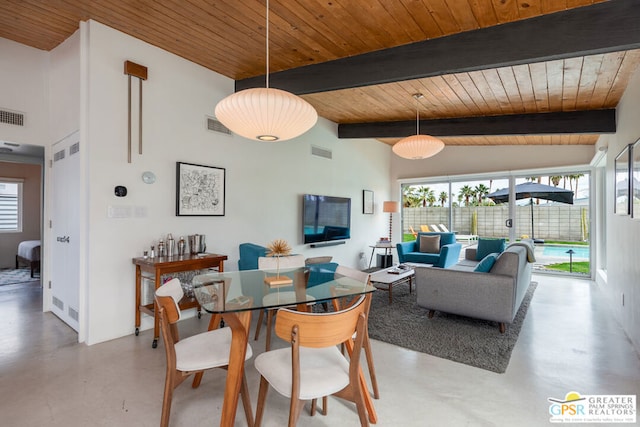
point(228, 36)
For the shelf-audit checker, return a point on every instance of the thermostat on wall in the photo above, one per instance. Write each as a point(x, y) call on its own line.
point(120, 191)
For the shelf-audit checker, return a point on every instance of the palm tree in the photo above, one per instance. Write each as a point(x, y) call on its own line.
point(575, 177)
point(410, 198)
point(423, 193)
point(481, 191)
point(443, 198)
point(555, 180)
point(466, 192)
point(431, 198)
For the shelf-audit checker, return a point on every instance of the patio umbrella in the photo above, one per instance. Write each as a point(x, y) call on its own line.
point(533, 190)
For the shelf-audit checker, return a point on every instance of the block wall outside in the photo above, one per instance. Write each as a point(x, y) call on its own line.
point(551, 222)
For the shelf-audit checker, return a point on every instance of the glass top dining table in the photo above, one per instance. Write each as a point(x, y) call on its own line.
point(231, 291)
point(233, 295)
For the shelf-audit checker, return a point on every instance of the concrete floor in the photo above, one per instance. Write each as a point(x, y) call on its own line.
point(569, 342)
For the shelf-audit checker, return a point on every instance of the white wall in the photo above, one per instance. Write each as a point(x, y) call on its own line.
point(64, 88)
point(264, 181)
point(461, 160)
point(24, 89)
point(623, 232)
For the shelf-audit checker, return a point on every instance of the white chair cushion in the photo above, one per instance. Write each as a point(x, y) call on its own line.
point(272, 263)
point(285, 298)
point(172, 289)
point(206, 350)
point(323, 371)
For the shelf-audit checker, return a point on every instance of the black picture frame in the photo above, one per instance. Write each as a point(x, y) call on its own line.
point(634, 180)
point(622, 182)
point(200, 190)
point(367, 202)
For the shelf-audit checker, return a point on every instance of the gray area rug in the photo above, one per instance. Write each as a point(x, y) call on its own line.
point(11, 276)
point(470, 341)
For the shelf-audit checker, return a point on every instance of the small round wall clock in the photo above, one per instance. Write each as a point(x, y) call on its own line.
point(148, 177)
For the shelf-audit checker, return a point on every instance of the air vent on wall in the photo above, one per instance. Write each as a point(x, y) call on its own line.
point(11, 117)
point(73, 313)
point(321, 152)
point(58, 303)
point(216, 126)
point(58, 155)
point(74, 148)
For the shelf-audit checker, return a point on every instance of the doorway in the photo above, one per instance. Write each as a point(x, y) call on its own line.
point(21, 208)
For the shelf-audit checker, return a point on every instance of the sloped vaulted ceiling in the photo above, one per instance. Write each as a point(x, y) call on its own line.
point(493, 72)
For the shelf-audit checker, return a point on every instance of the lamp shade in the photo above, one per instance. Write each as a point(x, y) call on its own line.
point(390, 207)
point(266, 114)
point(418, 147)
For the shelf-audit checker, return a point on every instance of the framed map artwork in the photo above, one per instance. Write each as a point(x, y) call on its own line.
point(199, 190)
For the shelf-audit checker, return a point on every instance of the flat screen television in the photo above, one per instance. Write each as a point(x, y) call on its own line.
point(325, 218)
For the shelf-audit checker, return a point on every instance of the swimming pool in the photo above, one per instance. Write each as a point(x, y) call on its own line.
point(561, 251)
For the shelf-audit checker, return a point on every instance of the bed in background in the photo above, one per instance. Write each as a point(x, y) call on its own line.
point(29, 253)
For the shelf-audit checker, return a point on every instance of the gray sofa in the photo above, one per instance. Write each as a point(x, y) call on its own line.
point(494, 296)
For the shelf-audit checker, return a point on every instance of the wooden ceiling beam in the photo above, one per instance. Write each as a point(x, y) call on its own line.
point(573, 122)
point(600, 28)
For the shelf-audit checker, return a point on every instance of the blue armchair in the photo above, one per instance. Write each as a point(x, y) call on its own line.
point(448, 255)
point(249, 254)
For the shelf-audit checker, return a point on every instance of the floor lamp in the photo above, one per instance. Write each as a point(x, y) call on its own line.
point(390, 208)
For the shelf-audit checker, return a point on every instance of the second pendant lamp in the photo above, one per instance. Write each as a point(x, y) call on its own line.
point(418, 146)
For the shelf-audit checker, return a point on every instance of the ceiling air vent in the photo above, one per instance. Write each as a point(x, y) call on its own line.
point(321, 152)
point(11, 118)
point(216, 126)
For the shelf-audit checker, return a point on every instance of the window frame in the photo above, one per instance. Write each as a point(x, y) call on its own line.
point(20, 203)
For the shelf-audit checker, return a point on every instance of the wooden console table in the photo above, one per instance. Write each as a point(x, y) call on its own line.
point(154, 268)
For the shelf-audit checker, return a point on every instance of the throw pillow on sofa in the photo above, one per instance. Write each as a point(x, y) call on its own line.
point(486, 264)
point(489, 246)
point(430, 244)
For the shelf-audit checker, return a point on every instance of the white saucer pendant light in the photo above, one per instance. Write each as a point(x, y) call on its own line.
point(266, 114)
point(418, 146)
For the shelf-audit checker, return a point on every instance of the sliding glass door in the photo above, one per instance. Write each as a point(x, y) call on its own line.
point(552, 210)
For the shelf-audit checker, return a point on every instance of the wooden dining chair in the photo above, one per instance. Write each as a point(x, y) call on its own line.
point(312, 366)
point(342, 303)
point(283, 298)
point(194, 354)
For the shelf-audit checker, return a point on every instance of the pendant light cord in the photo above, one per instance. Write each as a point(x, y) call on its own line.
point(417, 117)
point(267, 78)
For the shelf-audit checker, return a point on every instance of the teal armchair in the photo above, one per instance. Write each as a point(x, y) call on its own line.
point(447, 256)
